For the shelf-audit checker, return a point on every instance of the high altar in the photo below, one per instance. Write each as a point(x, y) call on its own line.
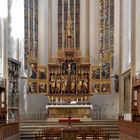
point(68, 79)
point(69, 85)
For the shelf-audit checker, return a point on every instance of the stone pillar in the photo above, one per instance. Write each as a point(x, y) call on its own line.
point(116, 37)
point(137, 37)
point(84, 31)
point(125, 34)
point(54, 27)
point(43, 35)
point(49, 2)
point(134, 39)
point(94, 31)
point(116, 54)
point(126, 39)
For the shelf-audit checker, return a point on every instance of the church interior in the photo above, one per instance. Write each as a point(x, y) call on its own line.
point(69, 70)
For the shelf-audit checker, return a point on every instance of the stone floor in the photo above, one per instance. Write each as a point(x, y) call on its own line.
point(15, 137)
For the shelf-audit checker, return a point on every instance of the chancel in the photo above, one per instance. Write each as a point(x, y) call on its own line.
point(69, 69)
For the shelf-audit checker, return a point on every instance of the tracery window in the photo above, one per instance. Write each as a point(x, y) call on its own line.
point(31, 30)
point(106, 27)
point(64, 7)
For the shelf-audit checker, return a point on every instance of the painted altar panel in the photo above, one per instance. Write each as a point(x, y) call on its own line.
point(64, 112)
point(100, 76)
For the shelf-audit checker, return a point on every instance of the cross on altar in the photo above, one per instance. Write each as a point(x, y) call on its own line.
point(69, 120)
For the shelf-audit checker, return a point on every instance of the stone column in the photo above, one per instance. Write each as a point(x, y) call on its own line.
point(84, 23)
point(125, 34)
point(125, 53)
point(94, 31)
point(137, 37)
point(49, 2)
point(54, 27)
point(43, 35)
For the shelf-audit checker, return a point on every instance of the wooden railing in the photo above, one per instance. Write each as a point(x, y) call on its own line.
point(130, 128)
point(9, 129)
point(82, 133)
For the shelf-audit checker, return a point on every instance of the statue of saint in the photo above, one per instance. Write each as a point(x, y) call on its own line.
point(72, 88)
point(79, 88)
point(52, 86)
point(64, 86)
point(69, 69)
point(58, 86)
point(85, 86)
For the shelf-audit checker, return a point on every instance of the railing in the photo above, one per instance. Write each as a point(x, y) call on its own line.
point(130, 128)
point(72, 133)
point(9, 129)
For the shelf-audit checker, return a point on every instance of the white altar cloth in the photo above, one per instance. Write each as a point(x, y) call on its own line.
point(69, 106)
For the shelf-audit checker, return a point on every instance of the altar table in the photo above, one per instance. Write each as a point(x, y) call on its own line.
point(62, 111)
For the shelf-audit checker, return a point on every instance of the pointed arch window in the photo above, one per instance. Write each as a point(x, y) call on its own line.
point(63, 6)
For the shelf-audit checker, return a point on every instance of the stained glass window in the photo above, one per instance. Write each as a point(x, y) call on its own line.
point(106, 26)
point(62, 22)
point(31, 31)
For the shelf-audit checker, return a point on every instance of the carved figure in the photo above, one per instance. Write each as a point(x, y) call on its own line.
point(64, 86)
point(52, 86)
point(79, 86)
point(58, 86)
point(72, 86)
point(85, 86)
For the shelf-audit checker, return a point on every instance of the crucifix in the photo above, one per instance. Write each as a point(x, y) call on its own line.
point(69, 119)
